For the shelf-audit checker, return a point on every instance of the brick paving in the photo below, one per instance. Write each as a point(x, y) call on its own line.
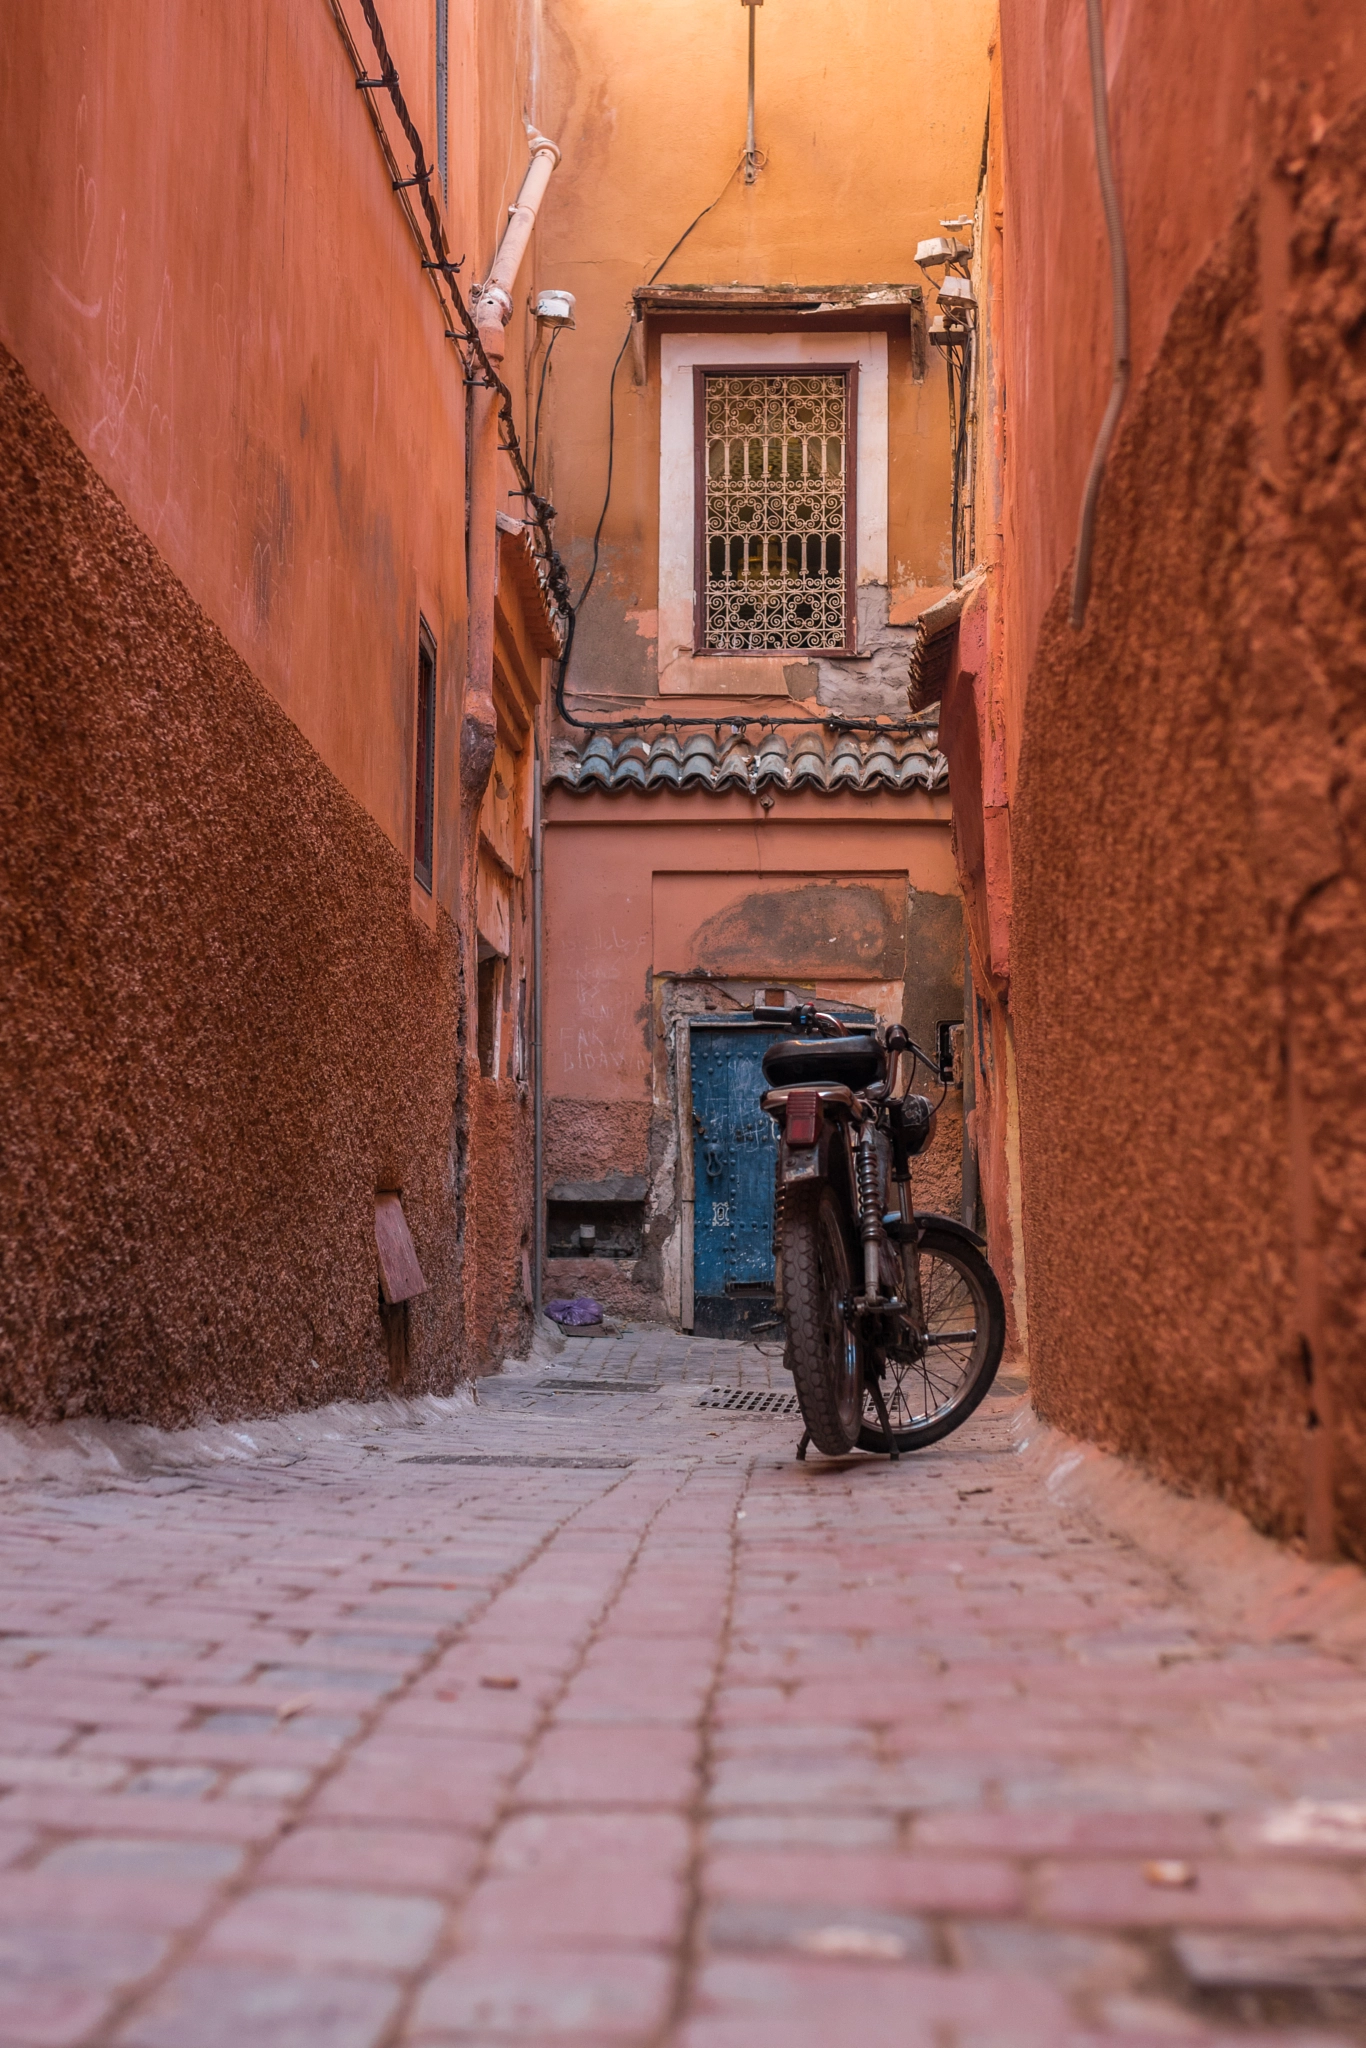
point(587, 1715)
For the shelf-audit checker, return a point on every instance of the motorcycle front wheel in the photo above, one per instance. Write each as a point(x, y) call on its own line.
point(933, 1379)
point(822, 1347)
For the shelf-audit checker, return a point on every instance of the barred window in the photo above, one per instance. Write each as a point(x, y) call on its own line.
point(775, 511)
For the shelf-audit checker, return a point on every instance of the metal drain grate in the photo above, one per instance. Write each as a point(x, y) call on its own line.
point(751, 1402)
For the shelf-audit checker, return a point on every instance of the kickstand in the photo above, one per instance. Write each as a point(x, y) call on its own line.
point(801, 1448)
point(875, 1389)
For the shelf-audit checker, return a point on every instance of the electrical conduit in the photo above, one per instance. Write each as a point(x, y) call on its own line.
point(1119, 299)
point(492, 313)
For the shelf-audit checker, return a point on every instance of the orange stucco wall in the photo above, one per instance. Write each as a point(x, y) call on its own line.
point(232, 479)
point(1157, 816)
point(604, 941)
point(871, 122)
point(205, 271)
point(1184, 85)
point(662, 906)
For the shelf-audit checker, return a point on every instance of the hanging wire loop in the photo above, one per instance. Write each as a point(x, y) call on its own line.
point(1119, 301)
point(441, 266)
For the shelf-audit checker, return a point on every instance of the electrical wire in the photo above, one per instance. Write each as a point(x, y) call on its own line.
point(737, 721)
point(961, 440)
point(834, 722)
point(438, 263)
point(540, 394)
point(612, 396)
point(1119, 299)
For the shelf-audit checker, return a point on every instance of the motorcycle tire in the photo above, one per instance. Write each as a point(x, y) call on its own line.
point(822, 1348)
point(929, 1398)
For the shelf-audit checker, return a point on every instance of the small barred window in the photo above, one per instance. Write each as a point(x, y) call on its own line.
point(775, 527)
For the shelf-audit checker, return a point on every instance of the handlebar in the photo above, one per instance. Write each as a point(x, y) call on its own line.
point(801, 1017)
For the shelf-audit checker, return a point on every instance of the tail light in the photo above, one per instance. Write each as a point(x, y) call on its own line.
point(805, 1117)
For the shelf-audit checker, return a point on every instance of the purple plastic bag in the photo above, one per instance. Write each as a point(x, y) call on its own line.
point(575, 1314)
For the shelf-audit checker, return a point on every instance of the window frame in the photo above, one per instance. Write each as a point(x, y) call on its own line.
point(491, 974)
point(424, 756)
point(849, 646)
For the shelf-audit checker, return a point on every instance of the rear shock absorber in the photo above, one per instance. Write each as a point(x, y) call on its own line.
point(870, 1207)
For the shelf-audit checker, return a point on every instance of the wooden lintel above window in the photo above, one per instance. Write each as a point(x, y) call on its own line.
point(778, 306)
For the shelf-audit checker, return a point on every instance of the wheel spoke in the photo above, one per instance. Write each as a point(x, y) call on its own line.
point(922, 1388)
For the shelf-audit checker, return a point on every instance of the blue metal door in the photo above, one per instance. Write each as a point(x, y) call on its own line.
point(734, 1153)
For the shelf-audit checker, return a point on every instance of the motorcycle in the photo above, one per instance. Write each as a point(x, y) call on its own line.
point(895, 1321)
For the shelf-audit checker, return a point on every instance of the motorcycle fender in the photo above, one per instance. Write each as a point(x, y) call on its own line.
point(954, 1227)
point(800, 1163)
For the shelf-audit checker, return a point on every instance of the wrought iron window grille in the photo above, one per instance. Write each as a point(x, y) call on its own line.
point(775, 503)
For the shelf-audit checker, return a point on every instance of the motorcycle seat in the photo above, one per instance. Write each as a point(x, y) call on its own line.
point(806, 1062)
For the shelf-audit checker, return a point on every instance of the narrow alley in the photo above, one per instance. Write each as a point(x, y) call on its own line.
point(682, 1039)
point(586, 1713)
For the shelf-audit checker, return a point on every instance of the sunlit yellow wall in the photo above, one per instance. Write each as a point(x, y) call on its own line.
point(871, 114)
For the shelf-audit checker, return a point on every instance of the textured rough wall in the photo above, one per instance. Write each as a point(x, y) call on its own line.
point(498, 1209)
point(223, 1030)
point(1310, 612)
point(589, 1141)
point(937, 1176)
point(1197, 915)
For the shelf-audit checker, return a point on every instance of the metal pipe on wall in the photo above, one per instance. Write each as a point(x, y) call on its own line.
point(537, 1035)
point(751, 153)
point(479, 731)
point(494, 309)
point(1119, 313)
point(492, 313)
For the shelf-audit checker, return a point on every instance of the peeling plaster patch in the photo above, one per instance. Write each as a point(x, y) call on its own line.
point(881, 681)
point(665, 1208)
point(614, 652)
point(671, 1265)
point(795, 920)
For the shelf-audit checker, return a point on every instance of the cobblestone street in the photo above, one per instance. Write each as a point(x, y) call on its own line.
point(587, 1714)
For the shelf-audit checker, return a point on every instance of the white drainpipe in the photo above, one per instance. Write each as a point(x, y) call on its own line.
point(492, 313)
point(494, 309)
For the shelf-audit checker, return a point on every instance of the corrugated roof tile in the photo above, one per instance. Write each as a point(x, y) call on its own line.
point(815, 760)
